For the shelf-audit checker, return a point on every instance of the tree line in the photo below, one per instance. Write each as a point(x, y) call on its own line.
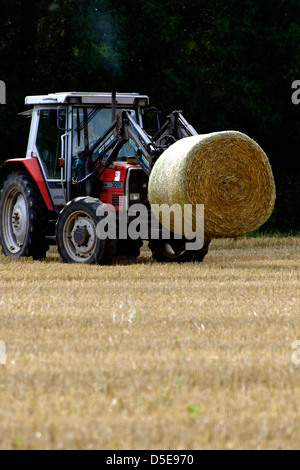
point(227, 65)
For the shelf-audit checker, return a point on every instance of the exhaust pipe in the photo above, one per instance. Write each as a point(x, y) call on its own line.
point(113, 105)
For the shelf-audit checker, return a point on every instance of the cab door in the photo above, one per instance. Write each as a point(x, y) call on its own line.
point(51, 147)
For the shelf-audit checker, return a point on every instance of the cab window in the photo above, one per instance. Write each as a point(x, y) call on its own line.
point(48, 141)
point(89, 124)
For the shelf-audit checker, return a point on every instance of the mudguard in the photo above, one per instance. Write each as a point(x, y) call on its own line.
point(31, 165)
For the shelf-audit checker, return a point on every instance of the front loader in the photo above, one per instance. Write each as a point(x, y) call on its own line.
point(88, 163)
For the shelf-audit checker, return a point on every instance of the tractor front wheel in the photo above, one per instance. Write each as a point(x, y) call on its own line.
point(76, 233)
point(23, 218)
point(174, 250)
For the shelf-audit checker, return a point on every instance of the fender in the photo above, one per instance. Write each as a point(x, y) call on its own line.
point(31, 165)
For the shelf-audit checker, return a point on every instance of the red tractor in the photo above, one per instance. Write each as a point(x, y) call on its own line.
point(86, 152)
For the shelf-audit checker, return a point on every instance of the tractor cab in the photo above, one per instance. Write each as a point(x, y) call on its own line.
point(65, 126)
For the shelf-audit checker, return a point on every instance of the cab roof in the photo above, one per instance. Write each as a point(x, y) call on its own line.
point(73, 97)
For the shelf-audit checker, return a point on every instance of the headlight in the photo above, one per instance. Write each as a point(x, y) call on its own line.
point(134, 196)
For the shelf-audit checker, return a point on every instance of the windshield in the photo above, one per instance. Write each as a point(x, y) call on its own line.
point(89, 124)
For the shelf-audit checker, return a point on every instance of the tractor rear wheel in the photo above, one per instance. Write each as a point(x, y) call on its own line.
point(76, 233)
point(174, 250)
point(23, 218)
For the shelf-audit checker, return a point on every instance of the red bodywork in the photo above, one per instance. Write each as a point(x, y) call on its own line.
point(113, 184)
point(33, 168)
point(113, 181)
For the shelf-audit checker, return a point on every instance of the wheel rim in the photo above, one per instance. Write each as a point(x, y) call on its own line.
point(14, 221)
point(79, 237)
point(171, 249)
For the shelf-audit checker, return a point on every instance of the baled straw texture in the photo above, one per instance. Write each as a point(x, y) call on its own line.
point(227, 172)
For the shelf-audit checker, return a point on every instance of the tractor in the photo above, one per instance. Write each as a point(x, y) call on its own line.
point(87, 153)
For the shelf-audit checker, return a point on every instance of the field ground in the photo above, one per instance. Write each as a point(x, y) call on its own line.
point(147, 356)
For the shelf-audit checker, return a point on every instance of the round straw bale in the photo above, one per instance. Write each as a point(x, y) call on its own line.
point(226, 171)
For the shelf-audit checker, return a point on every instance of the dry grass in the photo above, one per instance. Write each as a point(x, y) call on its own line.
point(149, 356)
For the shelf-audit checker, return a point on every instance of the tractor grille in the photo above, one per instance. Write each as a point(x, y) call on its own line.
point(116, 200)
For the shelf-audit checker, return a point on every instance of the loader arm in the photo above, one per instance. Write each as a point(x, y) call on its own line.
point(123, 130)
point(176, 127)
point(146, 149)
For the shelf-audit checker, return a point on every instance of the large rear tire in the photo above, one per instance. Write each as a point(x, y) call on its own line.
point(76, 234)
point(165, 251)
point(23, 218)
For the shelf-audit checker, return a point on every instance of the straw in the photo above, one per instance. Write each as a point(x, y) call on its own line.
point(226, 171)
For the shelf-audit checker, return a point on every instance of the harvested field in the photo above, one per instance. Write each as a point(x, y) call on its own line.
point(147, 356)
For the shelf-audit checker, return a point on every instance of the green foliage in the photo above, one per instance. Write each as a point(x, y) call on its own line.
point(227, 65)
point(285, 217)
point(194, 410)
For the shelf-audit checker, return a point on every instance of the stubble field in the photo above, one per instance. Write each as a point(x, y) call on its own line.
point(141, 355)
